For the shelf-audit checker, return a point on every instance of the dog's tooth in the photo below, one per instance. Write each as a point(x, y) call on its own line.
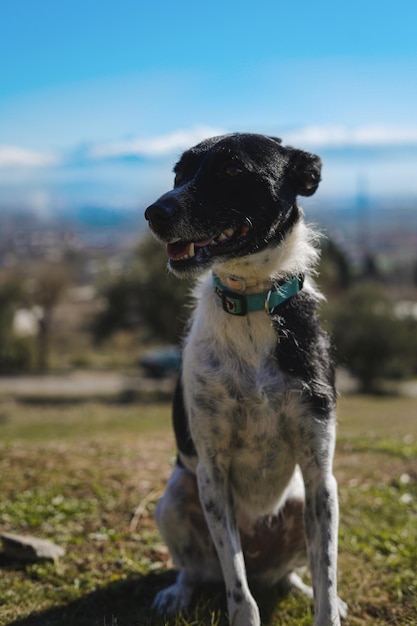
point(191, 251)
point(226, 234)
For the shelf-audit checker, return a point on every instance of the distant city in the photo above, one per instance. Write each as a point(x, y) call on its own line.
point(383, 226)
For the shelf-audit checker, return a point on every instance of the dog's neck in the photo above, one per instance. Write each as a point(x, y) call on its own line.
point(296, 254)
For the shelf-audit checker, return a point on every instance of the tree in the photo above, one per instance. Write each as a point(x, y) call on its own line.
point(370, 339)
point(15, 352)
point(335, 273)
point(145, 296)
point(49, 284)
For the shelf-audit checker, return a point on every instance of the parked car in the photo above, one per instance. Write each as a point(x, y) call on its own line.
point(161, 362)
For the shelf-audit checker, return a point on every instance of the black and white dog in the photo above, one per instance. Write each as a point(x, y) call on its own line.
point(253, 491)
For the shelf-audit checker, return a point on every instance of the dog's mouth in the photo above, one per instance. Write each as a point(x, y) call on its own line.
point(189, 252)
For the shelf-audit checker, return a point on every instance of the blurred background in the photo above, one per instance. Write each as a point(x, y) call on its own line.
point(97, 101)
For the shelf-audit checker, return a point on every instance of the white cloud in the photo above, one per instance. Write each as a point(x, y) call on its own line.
point(171, 144)
point(14, 157)
point(313, 136)
point(156, 146)
point(342, 136)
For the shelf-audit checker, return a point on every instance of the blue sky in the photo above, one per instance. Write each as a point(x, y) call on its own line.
point(98, 98)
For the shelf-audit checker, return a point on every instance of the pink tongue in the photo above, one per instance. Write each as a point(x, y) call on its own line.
point(201, 244)
point(177, 250)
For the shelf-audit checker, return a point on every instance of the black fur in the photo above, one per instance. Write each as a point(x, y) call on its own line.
point(304, 350)
point(183, 438)
point(234, 181)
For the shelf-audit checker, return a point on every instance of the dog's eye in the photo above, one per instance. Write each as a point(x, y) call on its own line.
point(178, 178)
point(232, 169)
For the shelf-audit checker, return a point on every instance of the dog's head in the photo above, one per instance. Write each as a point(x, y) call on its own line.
point(233, 195)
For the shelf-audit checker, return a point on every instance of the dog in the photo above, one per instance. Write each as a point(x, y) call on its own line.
point(252, 495)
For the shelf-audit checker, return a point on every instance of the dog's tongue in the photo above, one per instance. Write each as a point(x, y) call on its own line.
point(204, 242)
point(177, 250)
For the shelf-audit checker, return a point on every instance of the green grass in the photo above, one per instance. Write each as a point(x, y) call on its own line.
point(53, 421)
point(75, 473)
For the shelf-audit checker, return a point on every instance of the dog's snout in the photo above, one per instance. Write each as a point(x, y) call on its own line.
point(159, 212)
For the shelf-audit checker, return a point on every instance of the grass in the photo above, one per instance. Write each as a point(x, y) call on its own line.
point(75, 473)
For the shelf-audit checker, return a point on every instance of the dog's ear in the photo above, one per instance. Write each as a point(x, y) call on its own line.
point(305, 170)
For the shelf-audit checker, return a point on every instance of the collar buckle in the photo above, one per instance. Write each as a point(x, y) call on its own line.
point(234, 303)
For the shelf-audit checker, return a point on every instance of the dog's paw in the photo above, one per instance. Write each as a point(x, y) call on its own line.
point(294, 582)
point(338, 612)
point(172, 599)
point(343, 608)
point(247, 614)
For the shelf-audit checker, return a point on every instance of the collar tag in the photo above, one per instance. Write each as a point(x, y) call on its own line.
point(267, 299)
point(235, 283)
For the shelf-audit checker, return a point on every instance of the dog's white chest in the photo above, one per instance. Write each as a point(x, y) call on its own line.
point(240, 405)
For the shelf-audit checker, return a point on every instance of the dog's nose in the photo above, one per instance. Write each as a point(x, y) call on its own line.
point(159, 213)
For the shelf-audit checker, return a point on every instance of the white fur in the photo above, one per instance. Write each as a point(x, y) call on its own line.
point(296, 254)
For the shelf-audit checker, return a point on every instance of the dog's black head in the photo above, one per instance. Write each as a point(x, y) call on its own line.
point(233, 195)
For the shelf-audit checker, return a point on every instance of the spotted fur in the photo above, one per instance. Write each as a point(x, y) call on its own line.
point(253, 492)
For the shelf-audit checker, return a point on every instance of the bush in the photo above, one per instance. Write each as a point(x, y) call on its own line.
point(16, 353)
point(146, 297)
point(370, 339)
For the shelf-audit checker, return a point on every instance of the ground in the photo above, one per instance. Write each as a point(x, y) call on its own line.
point(87, 476)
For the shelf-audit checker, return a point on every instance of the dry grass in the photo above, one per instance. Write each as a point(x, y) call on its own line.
point(74, 474)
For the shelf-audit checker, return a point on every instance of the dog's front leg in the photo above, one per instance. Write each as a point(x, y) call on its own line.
point(321, 521)
point(217, 502)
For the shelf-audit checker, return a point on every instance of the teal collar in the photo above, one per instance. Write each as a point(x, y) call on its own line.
point(240, 304)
